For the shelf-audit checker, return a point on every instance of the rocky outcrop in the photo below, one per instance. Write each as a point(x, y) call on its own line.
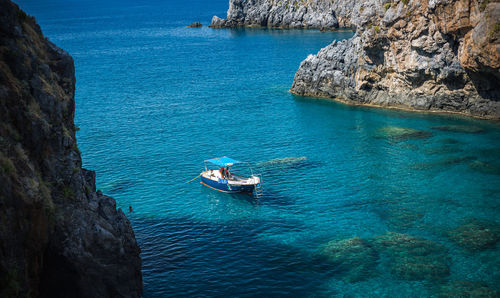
point(59, 237)
point(320, 14)
point(431, 55)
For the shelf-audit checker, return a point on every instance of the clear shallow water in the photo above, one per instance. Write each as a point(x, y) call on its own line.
point(154, 99)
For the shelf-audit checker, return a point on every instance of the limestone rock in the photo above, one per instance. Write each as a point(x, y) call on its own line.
point(58, 236)
point(422, 55)
point(319, 14)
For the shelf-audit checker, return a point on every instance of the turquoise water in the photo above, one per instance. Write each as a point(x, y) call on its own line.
point(154, 99)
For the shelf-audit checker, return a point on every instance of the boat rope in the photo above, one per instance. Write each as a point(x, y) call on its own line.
point(194, 178)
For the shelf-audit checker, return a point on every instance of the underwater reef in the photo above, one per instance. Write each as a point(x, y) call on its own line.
point(475, 235)
point(354, 258)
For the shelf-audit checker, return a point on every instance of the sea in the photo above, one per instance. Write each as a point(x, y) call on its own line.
point(358, 201)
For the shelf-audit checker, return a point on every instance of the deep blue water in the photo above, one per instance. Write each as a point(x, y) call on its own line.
point(154, 99)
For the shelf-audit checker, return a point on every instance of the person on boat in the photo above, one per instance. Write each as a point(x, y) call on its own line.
point(222, 170)
point(228, 174)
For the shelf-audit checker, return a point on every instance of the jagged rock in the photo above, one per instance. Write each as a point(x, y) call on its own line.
point(195, 25)
point(476, 235)
point(217, 22)
point(58, 236)
point(413, 258)
point(354, 257)
point(319, 14)
point(417, 55)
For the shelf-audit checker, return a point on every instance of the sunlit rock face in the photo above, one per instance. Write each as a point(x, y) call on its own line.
point(320, 14)
point(418, 55)
point(59, 237)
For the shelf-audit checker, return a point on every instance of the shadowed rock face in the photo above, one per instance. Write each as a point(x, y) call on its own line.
point(58, 236)
point(322, 14)
point(431, 55)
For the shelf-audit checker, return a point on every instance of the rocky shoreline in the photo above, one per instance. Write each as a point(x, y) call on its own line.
point(429, 56)
point(319, 14)
point(432, 56)
point(59, 237)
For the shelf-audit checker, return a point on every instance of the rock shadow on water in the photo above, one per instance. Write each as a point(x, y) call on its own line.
point(475, 235)
point(397, 134)
point(459, 128)
point(413, 258)
point(354, 258)
point(466, 289)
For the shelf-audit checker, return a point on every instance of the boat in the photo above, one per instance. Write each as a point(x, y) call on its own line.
point(224, 180)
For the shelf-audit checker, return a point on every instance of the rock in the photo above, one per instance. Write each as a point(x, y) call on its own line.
point(466, 289)
point(354, 257)
point(318, 14)
point(413, 258)
point(459, 128)
point(400, 217)
point(428, 56)
point(485, 167)
point(401, 133)
point(217, 22)
point(58, 236)
point(476, 235)
point(195, 25)
point(286, 161)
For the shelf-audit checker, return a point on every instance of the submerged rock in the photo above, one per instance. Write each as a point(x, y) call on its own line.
point(400, 217)
point(466, 289)
point(413, 258)
point(354, 257)
point(476, 235)
point(485, 167)
point(195, 25)
point(286, 161)
point(447, 161)
point(401, 133)
point(459, 128)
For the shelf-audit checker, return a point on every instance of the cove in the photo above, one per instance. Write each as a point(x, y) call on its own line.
point(154, 99)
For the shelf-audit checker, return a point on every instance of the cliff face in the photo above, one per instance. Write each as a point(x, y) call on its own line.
point(322, 14)
point(432, 55)
point(58, 236)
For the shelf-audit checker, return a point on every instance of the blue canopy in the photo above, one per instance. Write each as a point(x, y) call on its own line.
point(223, 161)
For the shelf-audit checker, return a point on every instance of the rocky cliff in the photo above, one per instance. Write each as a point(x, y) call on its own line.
point(58, 236)
point(429, 55)
point(320, 14)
